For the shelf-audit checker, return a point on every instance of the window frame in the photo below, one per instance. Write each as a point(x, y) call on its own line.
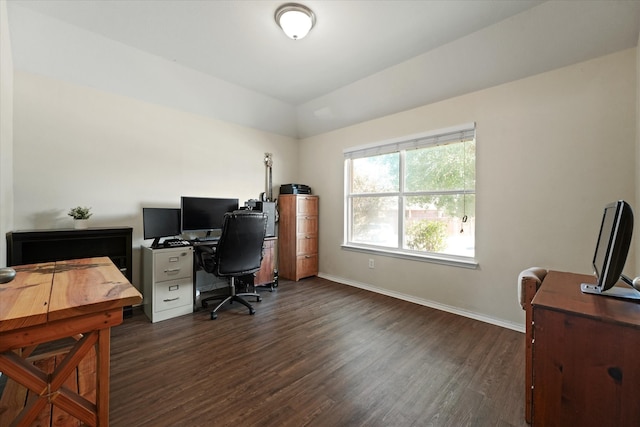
point(461, 133)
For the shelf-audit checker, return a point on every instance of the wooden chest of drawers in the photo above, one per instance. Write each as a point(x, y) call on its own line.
point(298, 236)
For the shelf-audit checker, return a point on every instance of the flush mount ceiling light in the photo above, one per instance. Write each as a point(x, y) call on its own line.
point(295, 20)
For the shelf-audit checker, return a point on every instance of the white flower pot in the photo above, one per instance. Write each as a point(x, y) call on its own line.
point(80, 224)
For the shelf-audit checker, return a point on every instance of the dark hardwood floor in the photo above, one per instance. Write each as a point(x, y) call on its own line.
point(317, 353)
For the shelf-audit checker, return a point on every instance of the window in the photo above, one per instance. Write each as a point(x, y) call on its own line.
point(415, 196)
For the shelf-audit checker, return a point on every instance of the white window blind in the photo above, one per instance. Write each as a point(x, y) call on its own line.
point(464, 132)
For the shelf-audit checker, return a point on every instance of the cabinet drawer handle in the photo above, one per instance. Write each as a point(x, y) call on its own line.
point(171, 299)
point(172, 270)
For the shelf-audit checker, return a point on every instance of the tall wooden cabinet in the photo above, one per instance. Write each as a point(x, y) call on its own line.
point(298, 236)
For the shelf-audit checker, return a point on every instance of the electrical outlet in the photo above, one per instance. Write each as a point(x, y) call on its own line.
point(371, 263)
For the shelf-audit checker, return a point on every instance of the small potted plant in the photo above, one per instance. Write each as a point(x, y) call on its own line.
point(80, 216)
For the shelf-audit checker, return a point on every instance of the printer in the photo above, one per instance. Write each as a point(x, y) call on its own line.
point(295, 189)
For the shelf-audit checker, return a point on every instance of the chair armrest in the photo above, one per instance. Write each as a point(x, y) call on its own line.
point(531, 277)
point(205, 257)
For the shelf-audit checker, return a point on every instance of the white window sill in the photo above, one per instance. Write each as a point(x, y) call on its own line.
point(451, 260)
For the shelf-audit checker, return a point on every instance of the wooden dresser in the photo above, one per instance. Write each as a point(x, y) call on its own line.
point(586, 356)
point(298, 236)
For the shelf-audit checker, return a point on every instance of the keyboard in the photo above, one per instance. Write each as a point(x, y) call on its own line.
point(175, 243)
point(208, 239)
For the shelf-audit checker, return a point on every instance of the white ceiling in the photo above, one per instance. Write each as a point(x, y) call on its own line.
point(437, 48)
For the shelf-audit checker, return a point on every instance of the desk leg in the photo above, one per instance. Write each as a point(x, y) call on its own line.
point(50, 388)
point(103, 368)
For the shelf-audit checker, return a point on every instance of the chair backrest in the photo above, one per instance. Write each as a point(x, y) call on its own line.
point(239, 249)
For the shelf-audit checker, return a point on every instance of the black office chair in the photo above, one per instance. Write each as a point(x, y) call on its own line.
point(238, 253)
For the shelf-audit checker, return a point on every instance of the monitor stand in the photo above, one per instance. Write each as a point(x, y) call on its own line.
point(631, 292)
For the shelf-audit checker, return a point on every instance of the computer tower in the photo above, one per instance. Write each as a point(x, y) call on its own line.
point(270, 209)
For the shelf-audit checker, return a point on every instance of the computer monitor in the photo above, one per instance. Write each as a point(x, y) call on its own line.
point(205, 213)
point(611, 251)
point(160, 222)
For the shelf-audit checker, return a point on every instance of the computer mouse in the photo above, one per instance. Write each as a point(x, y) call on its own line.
point(7, 274)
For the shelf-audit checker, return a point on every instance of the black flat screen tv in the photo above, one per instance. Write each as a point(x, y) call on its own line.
point(160, 222)
point(611, 251)
point(205, 213)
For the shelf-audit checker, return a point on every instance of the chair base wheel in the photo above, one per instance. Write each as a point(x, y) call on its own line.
point(214, 316)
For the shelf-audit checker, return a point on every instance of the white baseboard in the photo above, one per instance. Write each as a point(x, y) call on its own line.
point(427, 303)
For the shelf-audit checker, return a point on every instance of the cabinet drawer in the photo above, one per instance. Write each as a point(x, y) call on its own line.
point(307, 224)
point(172, 293)
point(307, 244)
point(307, 205)
point(306, 265)
point(171, 265)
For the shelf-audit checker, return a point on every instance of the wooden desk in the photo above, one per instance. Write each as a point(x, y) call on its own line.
point(265, 276)
point(51, 301)
point(586, 356)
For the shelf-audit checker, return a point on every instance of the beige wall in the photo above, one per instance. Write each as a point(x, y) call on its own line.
point(552, 150)
point(80, 146)
point(6, 132)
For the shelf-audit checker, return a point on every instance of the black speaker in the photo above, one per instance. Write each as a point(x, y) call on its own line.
point(270, 209)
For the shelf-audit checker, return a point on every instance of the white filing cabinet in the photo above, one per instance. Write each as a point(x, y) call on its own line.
point(167, 275)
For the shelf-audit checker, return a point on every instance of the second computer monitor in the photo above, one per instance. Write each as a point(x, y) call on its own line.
point(205, 213)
